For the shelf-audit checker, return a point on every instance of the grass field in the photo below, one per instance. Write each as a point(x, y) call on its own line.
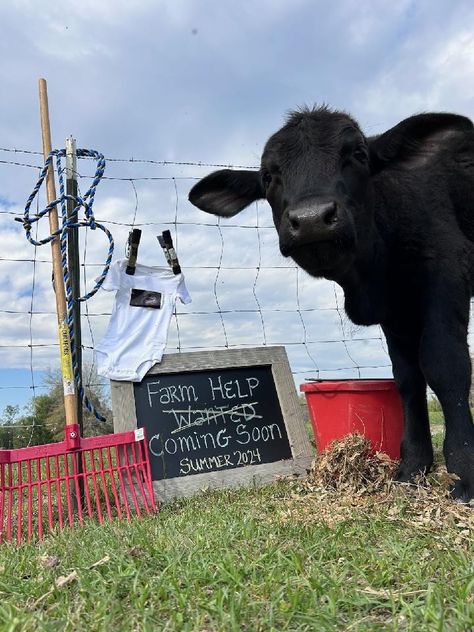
point(283, 557)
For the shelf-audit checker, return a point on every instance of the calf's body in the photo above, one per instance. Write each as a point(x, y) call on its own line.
point(390, 219)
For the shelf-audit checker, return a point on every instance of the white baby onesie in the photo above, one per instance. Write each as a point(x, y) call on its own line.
point(136, 336)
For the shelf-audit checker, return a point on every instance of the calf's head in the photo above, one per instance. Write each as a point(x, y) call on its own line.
point(315, 173)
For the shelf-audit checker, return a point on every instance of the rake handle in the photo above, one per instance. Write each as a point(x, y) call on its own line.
point(70, 397)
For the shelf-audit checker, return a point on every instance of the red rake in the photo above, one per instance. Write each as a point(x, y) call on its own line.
point(62, 484)
point(66, 482)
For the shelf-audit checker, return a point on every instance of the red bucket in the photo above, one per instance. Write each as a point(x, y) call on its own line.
point(372, 408)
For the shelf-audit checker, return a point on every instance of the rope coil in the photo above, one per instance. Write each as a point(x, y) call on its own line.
point(86, 202)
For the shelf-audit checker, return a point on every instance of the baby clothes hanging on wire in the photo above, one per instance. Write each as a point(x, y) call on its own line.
point(136, 335)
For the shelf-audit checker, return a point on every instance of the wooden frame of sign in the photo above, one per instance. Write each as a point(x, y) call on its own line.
point(233, 416)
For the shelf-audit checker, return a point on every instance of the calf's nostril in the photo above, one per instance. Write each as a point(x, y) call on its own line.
point(329, 214)
point(294, 223)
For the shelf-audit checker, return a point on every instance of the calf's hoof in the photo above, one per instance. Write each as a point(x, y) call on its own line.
point(463, 491)
point(460, 461)
point(408, 474)
point(413, 464)
point(463, 488)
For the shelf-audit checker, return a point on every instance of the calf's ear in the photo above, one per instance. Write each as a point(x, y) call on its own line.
point(416, 140)
point(227, 192)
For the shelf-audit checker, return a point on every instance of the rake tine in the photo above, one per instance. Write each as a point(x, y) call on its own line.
point(86, 485)
point(149, 482)
point(112, 482)
point(122, 484)
point(96, 488)
point(10, 504)
point(2, 499)
point(30, 501)
point(49, 483)
point(19, 505)
point(76, 474)
point(67, 483)
point(130, 481)
point(138, 465)
point(58, 491)
point(104, 483)
point(40, 500)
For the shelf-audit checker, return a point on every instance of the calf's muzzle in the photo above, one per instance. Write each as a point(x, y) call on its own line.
point(312, 223)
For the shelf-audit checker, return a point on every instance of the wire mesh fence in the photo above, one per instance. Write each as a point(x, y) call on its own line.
point(244, 293)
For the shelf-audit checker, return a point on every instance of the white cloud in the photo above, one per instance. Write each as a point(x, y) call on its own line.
point(428, 73)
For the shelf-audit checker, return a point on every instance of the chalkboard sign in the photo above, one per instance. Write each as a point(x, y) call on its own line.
point(211, 420)
point(216, 419)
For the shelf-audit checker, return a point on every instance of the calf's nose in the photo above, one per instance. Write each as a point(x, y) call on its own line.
point(315, 222)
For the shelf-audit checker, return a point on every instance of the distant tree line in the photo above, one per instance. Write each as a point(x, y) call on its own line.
point(42, 419)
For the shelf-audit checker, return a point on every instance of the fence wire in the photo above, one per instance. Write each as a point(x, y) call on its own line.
point(244, 292)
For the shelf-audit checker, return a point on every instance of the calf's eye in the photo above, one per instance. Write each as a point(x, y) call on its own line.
point(266, 179)
point(361, 154)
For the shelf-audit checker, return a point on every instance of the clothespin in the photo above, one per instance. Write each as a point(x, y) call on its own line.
point(132, 249)
point(166, 242)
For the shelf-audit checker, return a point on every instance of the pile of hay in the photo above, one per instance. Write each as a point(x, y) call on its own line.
point(349, 481)
point(349, 466)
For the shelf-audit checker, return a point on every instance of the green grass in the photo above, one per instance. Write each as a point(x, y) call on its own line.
point(436, 417)
point(236, 560)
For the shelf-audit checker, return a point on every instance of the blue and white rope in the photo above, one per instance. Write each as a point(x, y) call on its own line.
point(86, 201)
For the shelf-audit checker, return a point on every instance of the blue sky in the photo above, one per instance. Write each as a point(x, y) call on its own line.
point(206, 81)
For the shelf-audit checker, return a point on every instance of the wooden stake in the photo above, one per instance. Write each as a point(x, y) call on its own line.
point(61, 307)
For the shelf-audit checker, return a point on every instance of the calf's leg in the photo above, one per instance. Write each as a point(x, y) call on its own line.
point(445, 361)
point(416, 450)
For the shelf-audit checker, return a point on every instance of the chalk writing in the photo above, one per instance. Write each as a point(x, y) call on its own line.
point(170, 394)
point(232, 388)
point(211, 420)
point(210, 463)
point(189, 417)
